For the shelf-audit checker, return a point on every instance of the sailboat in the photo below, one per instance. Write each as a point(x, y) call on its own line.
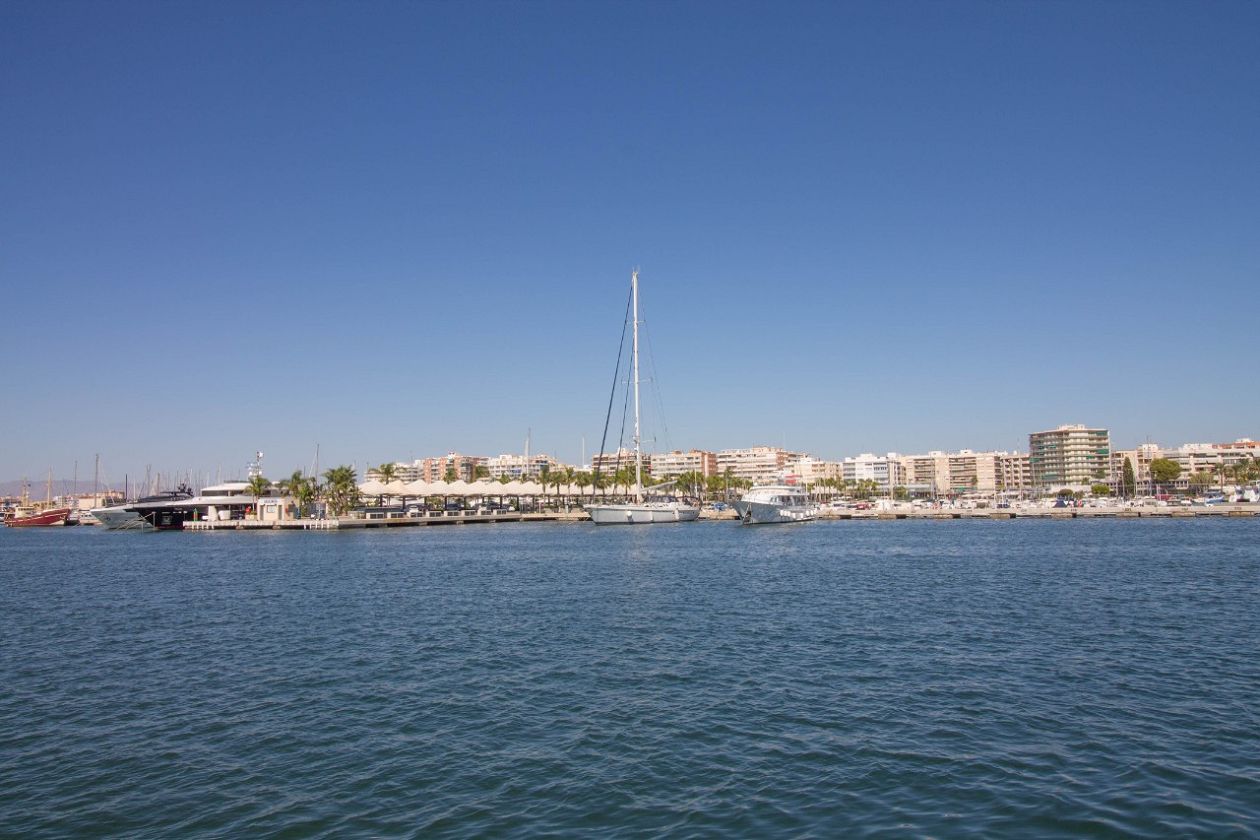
point(647, 507)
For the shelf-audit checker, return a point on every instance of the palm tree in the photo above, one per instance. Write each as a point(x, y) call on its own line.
point(582, 480)
point(341, 489)
point(481, 471)
point(300, 488)
point(258, 486)
point(450, 475)
point(387, 473)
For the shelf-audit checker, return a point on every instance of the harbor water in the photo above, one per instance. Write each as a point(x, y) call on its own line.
point(1013, 678)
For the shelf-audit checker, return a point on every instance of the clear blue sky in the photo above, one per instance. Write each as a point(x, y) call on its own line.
point(402, 229)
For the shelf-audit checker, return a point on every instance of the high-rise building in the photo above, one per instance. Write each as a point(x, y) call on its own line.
point(1069, 455)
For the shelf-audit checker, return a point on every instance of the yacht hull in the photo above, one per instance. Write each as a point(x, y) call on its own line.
point(765, 513)
point(121, 519)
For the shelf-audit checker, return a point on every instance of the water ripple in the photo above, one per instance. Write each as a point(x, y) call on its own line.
point(1031, 678)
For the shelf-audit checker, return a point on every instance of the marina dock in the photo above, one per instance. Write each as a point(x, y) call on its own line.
point(1234, 510)
point(399, 521)
point(474, 518)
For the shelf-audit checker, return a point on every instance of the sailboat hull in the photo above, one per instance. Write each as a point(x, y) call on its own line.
point(642, 514)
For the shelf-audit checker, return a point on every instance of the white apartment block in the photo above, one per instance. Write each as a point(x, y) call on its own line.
point(679, 462)
point(758, 464)
point(885, 470)
point(403, 472)
point(519, 467)
point(1210, 457)
point(811, 470)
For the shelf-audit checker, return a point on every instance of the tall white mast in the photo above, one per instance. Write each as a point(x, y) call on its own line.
point(638, 452)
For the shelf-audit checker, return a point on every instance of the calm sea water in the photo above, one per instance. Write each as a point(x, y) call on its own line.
point(920, 678)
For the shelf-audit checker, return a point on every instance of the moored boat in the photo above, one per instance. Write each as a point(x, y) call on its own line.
point(35, 515)
point(126, 516)
point(776, 503)
point(645, 509)
point(27, 516)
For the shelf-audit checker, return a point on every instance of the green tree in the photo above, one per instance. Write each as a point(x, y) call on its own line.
point(1128, 482)
point(583, 480)
point(1201, 480)
point(900, 493)
point(1100, 490)
point(481, 471)
point(1165, 470)
point(387, 472)
point(450, 475)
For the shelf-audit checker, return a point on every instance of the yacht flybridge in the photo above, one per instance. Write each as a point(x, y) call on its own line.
point(648, 506)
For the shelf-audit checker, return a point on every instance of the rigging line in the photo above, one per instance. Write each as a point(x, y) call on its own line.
point(613, 393)
point(656, 385)
point(625, 409)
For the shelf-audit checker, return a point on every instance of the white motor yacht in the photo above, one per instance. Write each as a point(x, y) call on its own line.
point(775, 504)
point(125, 517)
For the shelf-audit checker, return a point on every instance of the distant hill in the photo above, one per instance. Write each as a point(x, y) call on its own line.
point(60, 487)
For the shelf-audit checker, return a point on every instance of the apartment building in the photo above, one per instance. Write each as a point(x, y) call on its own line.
point(464, 467)
point(1210, 457)
point(945, 473)
point(1069, 455)
point(403, 471)
point(679, 462)
point(811, 470)
point(609, 462)
point(927, 474)
point(885, 470)
point(758, 464)
point(1014, 472)
point(1139, 457)
point(521, 467)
